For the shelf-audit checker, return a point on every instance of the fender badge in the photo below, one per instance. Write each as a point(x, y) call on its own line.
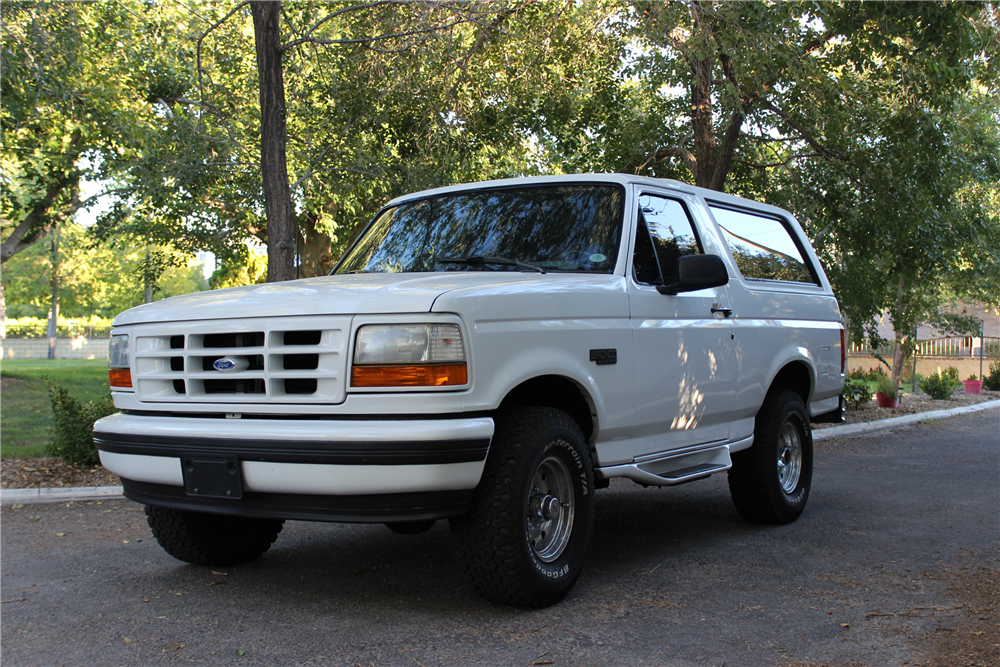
point(224, 364)
point(604, 357)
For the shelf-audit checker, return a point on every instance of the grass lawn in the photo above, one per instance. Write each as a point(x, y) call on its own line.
point(25, 411)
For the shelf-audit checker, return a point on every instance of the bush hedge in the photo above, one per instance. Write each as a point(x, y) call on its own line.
point(72, 437)
point(36, 327)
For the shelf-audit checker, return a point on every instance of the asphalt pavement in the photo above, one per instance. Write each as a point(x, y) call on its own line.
point(673, 577)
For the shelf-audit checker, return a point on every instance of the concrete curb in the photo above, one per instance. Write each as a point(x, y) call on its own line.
point(26, 496)
point(58, 495)
point(847, 430)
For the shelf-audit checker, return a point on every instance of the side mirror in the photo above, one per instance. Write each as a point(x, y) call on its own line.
point(695, 272)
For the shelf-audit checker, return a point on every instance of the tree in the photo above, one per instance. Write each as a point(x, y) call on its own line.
point(94, 279)
point(763, 82)
point(62, 101)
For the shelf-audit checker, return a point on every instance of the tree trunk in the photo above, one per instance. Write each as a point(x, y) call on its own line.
point(273, 139)
point(54, 310)
point(3, 313)
point(898, 356)
point(316, 251)
point(701, 121)
point(147, 279)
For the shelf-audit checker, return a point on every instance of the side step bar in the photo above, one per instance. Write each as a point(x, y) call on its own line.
point(674, 469)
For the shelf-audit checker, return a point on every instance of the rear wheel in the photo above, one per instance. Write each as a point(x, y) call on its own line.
point(770, 481)
point(211, 539)
point(524, 539)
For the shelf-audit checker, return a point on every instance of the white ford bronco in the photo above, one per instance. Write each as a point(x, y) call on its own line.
point(490, 354)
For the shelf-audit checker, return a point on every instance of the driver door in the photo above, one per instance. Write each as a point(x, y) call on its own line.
point(685, 373)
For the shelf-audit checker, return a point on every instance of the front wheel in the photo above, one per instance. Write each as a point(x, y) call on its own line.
point(211, 539)
point(770, 481)
point(524, 539)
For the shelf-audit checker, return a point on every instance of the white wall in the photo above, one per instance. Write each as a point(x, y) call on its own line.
point(66, 348)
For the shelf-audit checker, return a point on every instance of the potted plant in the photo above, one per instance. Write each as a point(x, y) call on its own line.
point(886, 396)
point(972, 385)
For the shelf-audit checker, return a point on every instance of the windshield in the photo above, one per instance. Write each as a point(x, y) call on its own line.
point(554, 228)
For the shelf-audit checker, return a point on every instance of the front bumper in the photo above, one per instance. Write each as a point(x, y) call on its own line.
point(320, 469)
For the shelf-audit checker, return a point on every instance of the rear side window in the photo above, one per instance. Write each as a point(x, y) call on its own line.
point(763, 247)
point(664, 233)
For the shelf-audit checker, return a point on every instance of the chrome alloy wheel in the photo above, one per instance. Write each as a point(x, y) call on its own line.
point(551, 505)
point(789, 457)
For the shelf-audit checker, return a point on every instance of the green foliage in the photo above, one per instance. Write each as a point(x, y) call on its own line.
point(26, 410)
point(100, 280)
point(36, 327)
point(991, 382)
point(857, 392)
point(235, 271)
point(940, 385)
point(887, 386)
point(71, 436)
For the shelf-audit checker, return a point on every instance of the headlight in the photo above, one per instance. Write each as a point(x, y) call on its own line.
point(409, 355)
point(119, 373)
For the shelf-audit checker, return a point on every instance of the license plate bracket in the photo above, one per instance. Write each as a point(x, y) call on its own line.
point(212, 476)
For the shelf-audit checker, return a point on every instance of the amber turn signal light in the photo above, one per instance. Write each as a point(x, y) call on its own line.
point(120, 377)
point(423, 375)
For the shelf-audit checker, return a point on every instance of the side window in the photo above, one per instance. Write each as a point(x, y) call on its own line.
point(763, 247)
point(663, 234)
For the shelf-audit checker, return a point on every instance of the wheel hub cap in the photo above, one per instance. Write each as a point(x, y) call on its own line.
point(551, 506)
point(789, 457)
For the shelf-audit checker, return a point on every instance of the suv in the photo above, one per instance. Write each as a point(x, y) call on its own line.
point(490, 354)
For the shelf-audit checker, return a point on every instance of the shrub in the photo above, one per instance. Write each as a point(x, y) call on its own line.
point(37, 327)
point(857, 392)
point(991, 382)
point(72, 437)
point(857, 374)
point(939, 385)
point(887, 387)
point(875, 374)
point(952, 374)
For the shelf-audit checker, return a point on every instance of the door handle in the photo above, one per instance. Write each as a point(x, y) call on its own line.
point(725, 311)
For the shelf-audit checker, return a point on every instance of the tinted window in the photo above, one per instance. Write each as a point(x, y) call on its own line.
point(762, 247)
point(664, 233)
point(559, 228)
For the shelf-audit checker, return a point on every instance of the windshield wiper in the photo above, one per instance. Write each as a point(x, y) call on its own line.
point(486, 259)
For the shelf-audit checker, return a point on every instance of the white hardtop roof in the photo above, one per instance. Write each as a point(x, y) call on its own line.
point(620, 179)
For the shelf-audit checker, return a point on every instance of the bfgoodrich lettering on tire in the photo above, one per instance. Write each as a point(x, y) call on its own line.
point(770, 481)
point(528, 527)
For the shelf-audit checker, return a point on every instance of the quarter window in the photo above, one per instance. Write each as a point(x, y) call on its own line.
point(763, 247)
point(664, 233)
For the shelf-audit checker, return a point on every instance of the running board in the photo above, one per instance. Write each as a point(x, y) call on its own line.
point(672, 470)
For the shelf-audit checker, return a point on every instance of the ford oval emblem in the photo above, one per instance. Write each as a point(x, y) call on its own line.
point(224, 364)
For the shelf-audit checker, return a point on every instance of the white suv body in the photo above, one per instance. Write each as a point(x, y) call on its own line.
point(663, 388)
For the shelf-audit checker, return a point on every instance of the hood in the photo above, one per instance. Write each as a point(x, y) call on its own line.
point(368, 293)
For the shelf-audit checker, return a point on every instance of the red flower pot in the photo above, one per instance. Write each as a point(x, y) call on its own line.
point(884, 401)
point(972, 386)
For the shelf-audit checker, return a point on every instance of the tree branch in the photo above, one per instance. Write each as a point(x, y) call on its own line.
point(201, 38)
point(664, 152)
point(13, 244)
point(803, 133)
point(354, 8)
point(367, 41)
point(780, 163)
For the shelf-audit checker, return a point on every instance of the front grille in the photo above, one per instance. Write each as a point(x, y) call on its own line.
point(283, 359)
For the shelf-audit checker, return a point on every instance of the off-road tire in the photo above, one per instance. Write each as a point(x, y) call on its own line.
point(757, 475)
point(496, 552)
point(211, 539)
